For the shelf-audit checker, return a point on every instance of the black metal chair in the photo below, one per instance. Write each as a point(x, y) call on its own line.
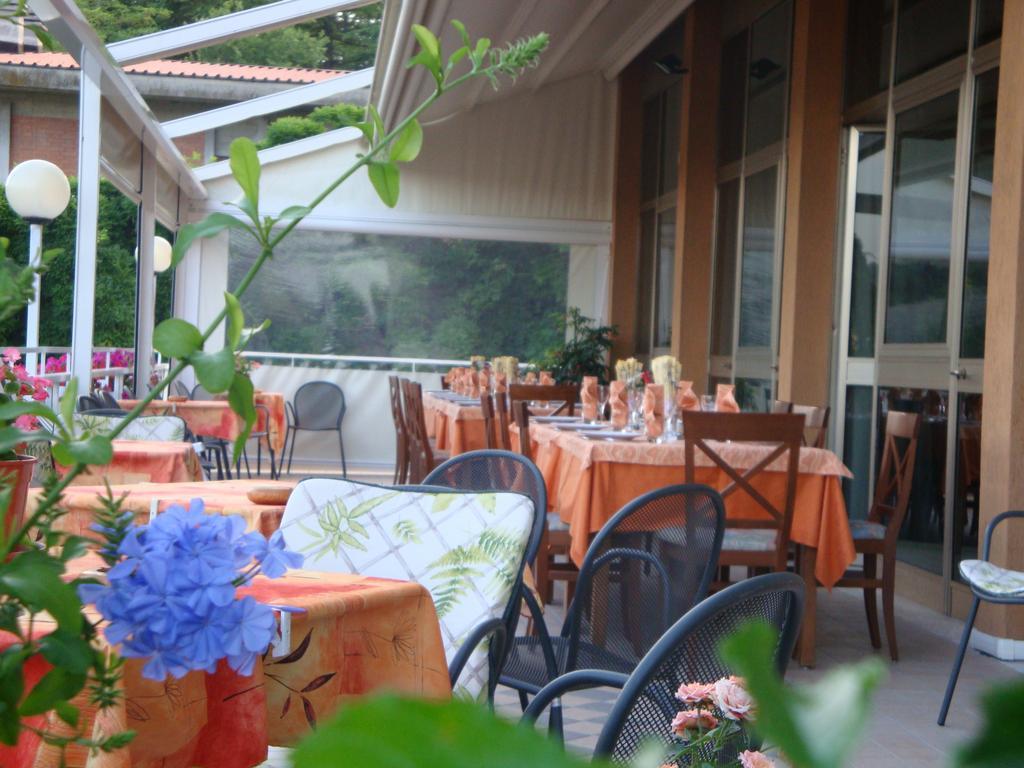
point(89, 403)
point(988, 582)
point(687, 652)
point(318, 406)
point(108, 400)
point(199, 392)
point(179, 389)
point(260, 436)
point(649, 565)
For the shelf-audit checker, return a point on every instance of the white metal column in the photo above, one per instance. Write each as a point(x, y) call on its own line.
point(86, 230)
point(146, 278)
point(35, 257)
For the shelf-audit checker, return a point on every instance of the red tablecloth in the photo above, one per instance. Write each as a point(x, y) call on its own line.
point(145, 461)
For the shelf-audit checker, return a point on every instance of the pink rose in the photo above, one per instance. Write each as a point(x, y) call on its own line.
point(752, 759)
point(693, 720)
point(695, 693)
point(733, 699)
point(11, 355)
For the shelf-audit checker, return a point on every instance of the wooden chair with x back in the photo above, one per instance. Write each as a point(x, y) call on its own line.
point(501, 411)
point(487, 409)
point(816, 424)
point(876, 537)
point(423, 455)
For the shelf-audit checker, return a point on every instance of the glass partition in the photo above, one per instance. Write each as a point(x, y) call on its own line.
point(930, 32)
point(768, 79)
point(867, 240)
point(725, 267)
point(758, 259)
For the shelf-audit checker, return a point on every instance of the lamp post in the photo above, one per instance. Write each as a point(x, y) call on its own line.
point(38, 191)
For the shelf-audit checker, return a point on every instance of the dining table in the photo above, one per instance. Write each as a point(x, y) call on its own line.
point(589, 479)
point(344, 636)
point(456, 422)
point(214, 418)
point(143, 461)
point(221, 497)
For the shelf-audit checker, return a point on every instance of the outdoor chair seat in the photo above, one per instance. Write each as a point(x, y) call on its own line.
point(749, 540)
point(992, 579)
point(865, 529)
point(526, 662)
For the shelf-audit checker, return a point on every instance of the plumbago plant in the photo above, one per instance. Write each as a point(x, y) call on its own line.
point(35, 555)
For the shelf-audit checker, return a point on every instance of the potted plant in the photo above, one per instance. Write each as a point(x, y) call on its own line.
point(584, 354)
point(16, 384)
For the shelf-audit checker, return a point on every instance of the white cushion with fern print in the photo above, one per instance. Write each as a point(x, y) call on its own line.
point(466, 548)
point(157, 428)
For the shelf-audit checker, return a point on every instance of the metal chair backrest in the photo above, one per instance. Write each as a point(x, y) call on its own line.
point(199, 392)
point(108, 400)
point(521, 416)
point(88, 403)
point(567, 393)
point(487, 409)
point(783, 431)
point(816, 421)
point(650, 564)
point(180, 389)
point(319, 406)
point(896, 474)
point(688, 652)
point(501, 411)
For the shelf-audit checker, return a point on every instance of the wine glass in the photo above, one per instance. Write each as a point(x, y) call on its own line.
point(708, 403)
point(602, 401)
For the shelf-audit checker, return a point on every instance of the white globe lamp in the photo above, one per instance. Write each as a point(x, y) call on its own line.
point(161, 254)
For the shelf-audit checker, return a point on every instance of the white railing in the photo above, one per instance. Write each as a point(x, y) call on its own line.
point(410, 364)
point(108, 376)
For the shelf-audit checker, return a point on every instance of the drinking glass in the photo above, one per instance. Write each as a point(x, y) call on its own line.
point(602, 401)
point(707, 403)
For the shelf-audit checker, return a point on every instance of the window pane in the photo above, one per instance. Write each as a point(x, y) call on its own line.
point(391, 296)
point(758, 259)
point(930, 32)
point(664, 278)
point(671, 125)
point(649, 149)
point(768, 78)
point(868, 49)
point(988, 25)
point(922, 212)
point(867, 228)
point(753, 395)
point(857, 451)
point(967, 498)
point(730, 105)
point(725, 267)
point(979, 211)
point(645, 281)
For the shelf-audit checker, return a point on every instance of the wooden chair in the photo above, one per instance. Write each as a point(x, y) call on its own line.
point(816, 422)
point(876, 536)
point(555, 540)
point(569, 394)
point(501, 410)
point(781, 406)
point(423, 454)
point(401, 438)
point(487, 408)
point(756, 543)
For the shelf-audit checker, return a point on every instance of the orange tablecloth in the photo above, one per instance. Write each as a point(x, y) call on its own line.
point(456, 428)
point(222, 497)
point(144, 461)
point(214, 418)
point(589, 481)
point(358, 634)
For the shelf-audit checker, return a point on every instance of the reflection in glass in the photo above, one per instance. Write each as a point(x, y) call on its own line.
point(725, 267)
point(868, 49)
point(921, 536)
point(758, 257)
point(665, 271)
point(988, 24)
point(979, 214)
point(922, 214)
point(672, 122)
point(649, 148)
point(730, 105)
point(753, 395)
point(930, 32)
point(767, 78)
point(857, 451)
point(645, 281)
point(867, 228)
point(967, 502)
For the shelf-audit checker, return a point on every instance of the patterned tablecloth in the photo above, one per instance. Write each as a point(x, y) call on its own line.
point(356, 635)
point(145, 461)
point(214, 418)
point(222, 497)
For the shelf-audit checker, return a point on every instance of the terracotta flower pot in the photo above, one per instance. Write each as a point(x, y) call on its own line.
point(16, 474)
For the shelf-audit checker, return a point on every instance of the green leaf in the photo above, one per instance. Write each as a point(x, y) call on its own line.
point(294, 212)
point(245, 167)
point(367, 128)
point(68, 650)
point(378, 123)
point(212, 225)
point(35, 578)
point(48, 41)
point(384, 177)
point(429, 43)
point(177, 338)
point(215, 370)
point(406, 146)
point(461, 29)
point(482, 46)
point(12, 685)
point(96, 450)
point(57, 685)
point(1001, 741)
point(12, 410)
point(236, 319)
point(817, 725)
point(67, 713)
point(67, 403)
point(454, 734)
point(240, 398)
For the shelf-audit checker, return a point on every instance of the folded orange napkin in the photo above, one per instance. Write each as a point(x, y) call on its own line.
point(484, 380)
point(531, 378)
point(618, 396)
point(474, 384)
point(546, 379)
point(588, 397)
point(500, 383)
point(686, 398)
point(449, 378)
point(725, 400)
point(654, 409)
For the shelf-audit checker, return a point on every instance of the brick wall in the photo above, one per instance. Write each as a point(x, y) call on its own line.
point(193, 143)
point(48, 138)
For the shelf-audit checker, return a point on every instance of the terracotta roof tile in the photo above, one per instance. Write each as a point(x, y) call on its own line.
point(193, 69)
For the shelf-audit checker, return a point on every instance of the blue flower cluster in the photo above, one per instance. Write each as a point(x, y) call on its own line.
point(171, 598)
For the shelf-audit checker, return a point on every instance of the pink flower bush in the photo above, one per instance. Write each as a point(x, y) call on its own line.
point(18, 385)
point(695, 693)
point(693, 720)
point(733, 699)
point(752, 759)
